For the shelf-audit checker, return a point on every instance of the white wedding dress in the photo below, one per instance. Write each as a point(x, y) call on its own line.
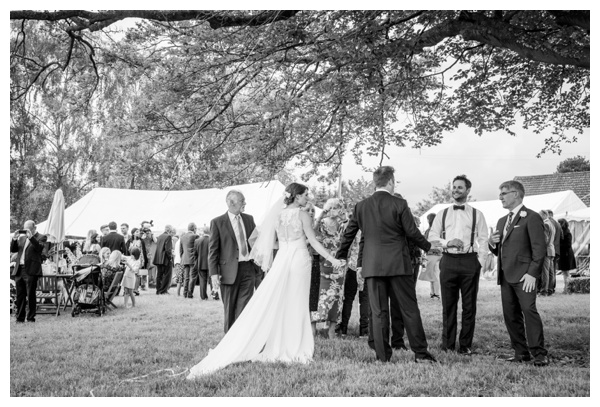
point(275, 325)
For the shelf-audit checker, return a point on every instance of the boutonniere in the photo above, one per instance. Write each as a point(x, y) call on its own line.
point(523, 214)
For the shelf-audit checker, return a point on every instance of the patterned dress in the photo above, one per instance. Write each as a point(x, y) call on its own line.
point(331, 286)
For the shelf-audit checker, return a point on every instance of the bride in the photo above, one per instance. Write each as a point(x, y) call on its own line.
point(275, 325)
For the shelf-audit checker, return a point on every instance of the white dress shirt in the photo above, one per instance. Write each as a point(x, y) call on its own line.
point(458, 226)
point(234, 223)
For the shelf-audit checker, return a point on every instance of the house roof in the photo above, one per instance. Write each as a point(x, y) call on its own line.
point(578, 182)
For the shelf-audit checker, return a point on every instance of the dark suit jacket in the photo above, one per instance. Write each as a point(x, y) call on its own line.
point(164, 250)
point(386, 222)
point(187, 248)
point(223, 251)
point(557, 236)
point(33, 254)
point(524, 247)
point(201, 252)
point(114, 241)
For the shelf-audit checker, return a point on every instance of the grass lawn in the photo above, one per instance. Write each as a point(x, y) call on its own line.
point(145, 351)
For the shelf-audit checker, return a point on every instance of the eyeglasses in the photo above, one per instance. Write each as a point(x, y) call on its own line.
point(502, 194)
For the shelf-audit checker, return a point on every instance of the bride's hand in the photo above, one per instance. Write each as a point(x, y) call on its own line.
point(338, 263)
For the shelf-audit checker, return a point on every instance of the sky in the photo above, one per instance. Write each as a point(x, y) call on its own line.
point(487, 161)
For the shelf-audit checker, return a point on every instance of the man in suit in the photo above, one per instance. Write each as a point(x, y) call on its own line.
point(113, 240)
point(201, 255)
point(126, 236)
point(163, 260)
point(463, 234)
point(384, 262)
point(229, 264)
point(28, 268)
point(188, 260)
point(548, 272)
point(519, 243)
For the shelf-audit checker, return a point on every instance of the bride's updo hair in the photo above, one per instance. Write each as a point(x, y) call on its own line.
point(292, 190)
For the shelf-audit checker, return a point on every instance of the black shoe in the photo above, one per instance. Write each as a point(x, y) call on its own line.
point(518, 359)
point(20, 321)
point(465, 351)
point(400, 347)
point(540, 360)
point(428, 359)
point(136, 292)
point(189, 296)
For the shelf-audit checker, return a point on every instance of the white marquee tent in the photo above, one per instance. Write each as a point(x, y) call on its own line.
point(558, 202)
point(579, 225)
point(177, 208)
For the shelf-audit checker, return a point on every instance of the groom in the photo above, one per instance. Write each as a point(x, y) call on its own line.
point(229, 263)
point(386, 222)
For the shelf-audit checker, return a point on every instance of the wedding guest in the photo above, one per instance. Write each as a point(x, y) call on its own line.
point(315, 277)
point(330, 226)
point(201, 255)
point(90, 245)
point(463, 233)
point(352, 285)
point(188, 260)
point(132, 268)
point(567, 260)
point(548, 267)
point(113, 240)
point(126, 236)
point(432, 268)
point(150, 243)
point(110, 267)
point(104, 230)
point(557, 238)
point(163, 260)
point(178, 268)
point(520, 245)
point(137, 242)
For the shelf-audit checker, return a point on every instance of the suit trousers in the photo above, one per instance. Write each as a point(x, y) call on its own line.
point(522, 320)
point(188, 288)
point(548, 277)
point(459, 277)
point(164, 274)
point(259, 278)
point(202, 276)
point(235, 296)
point(396, 315)
point(399, 289)
point(350, 289)
point(26, 286)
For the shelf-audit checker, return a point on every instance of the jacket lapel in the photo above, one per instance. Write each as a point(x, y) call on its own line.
point(228, 225)
point(515, 221)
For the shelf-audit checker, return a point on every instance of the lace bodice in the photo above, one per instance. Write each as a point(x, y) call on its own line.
point(289, 225)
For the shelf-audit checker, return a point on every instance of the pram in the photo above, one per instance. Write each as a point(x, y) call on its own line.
point(88, 291)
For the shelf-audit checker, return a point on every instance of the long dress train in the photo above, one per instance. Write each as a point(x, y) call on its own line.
point(275, 324)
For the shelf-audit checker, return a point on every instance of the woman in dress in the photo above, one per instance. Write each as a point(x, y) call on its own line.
point(91, 246)
point(566, 261)
point(330, 226)
point(275, 325)
point(315, 272)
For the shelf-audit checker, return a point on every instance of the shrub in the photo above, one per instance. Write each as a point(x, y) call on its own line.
point(580, 285)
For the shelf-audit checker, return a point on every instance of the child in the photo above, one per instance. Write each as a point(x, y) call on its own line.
point(129, 278)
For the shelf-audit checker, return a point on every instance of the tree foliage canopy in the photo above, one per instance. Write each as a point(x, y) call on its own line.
point(574, 164)
point(187, 99)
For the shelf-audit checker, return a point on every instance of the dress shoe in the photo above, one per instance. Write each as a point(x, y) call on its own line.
point(518, 359)
point(428, 359)
point(540, 360)
point(465, 351)
point(401, 347)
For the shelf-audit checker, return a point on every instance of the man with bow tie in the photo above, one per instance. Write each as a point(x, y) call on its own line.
point(462, 232)
point(520, 244)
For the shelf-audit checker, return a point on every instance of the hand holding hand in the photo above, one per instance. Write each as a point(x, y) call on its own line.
point(216, 282)
point(455, 243)
point(435, 244)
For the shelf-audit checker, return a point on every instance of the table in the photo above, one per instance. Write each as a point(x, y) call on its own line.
point(67, 280)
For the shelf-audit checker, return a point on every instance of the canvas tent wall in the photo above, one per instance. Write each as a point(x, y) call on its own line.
point(558, 202)
point(579, 225)
point(177, 208)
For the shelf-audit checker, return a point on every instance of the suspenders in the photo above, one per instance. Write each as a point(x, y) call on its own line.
point(443, 234)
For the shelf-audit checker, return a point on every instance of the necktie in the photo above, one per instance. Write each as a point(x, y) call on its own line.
point(241, 236)
point(459, 207)
point(510, 216)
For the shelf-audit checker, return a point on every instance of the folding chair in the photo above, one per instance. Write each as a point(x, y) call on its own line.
point(113, 290)
point(47, 288)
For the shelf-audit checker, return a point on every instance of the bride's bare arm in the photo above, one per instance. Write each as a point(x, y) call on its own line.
point(312, 239)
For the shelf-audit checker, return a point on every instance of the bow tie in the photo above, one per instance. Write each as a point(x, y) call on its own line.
point(459, 207)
